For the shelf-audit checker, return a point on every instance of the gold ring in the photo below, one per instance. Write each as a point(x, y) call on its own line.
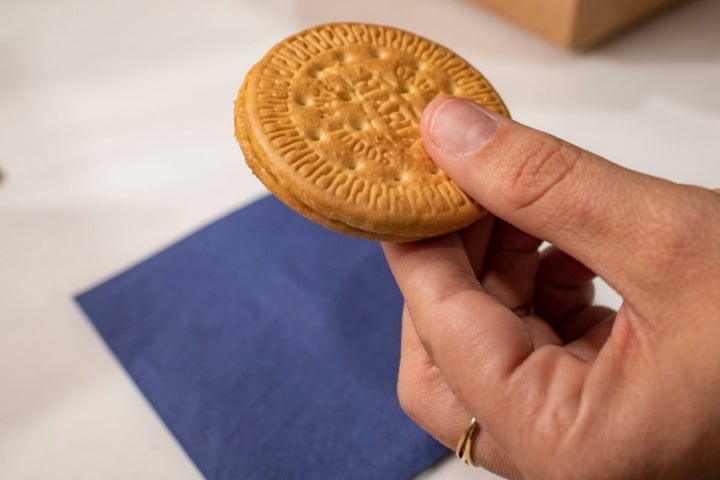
point(464, 446)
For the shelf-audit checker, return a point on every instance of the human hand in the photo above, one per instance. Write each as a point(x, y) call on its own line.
point(496, 330)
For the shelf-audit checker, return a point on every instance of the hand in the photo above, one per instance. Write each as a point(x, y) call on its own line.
point(497, 330)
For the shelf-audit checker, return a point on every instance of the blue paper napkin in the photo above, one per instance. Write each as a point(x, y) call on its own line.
point(269, 346)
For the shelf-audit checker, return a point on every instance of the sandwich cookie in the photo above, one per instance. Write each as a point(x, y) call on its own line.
point(329, 121)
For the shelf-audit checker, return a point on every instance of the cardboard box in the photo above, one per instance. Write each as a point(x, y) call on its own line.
point(577, 24)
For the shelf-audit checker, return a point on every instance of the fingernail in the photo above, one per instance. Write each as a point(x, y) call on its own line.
point(461, 127)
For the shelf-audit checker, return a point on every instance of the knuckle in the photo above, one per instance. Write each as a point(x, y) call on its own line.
point(682, 242)
point(536, 168)
point(409, 390)
point(410, 399)
point(676, 231)
point(406, 397)
point(420, 390)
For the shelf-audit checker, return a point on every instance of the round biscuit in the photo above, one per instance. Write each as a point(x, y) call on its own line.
point(329, 119)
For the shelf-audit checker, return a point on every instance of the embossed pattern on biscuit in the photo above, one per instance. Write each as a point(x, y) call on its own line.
point(332, 114)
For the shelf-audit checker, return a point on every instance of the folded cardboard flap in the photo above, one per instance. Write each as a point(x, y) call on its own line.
point(577, 24)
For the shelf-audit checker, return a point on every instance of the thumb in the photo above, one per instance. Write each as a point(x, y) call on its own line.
point(598, 212)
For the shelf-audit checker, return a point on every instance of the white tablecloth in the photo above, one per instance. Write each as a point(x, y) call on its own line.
point(116, 140)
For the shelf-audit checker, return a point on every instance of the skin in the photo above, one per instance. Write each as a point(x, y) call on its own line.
point(496, 329)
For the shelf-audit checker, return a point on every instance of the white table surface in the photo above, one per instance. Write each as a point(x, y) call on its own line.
point(116, 140)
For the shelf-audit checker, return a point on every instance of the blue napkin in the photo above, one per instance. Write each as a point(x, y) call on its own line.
point(269, 346)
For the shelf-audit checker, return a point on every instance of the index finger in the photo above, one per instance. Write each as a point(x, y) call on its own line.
point(480, 347)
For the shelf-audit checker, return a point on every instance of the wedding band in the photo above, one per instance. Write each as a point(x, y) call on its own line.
point(464, 446)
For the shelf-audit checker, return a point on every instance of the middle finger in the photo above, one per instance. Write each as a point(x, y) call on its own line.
point(510, 266)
